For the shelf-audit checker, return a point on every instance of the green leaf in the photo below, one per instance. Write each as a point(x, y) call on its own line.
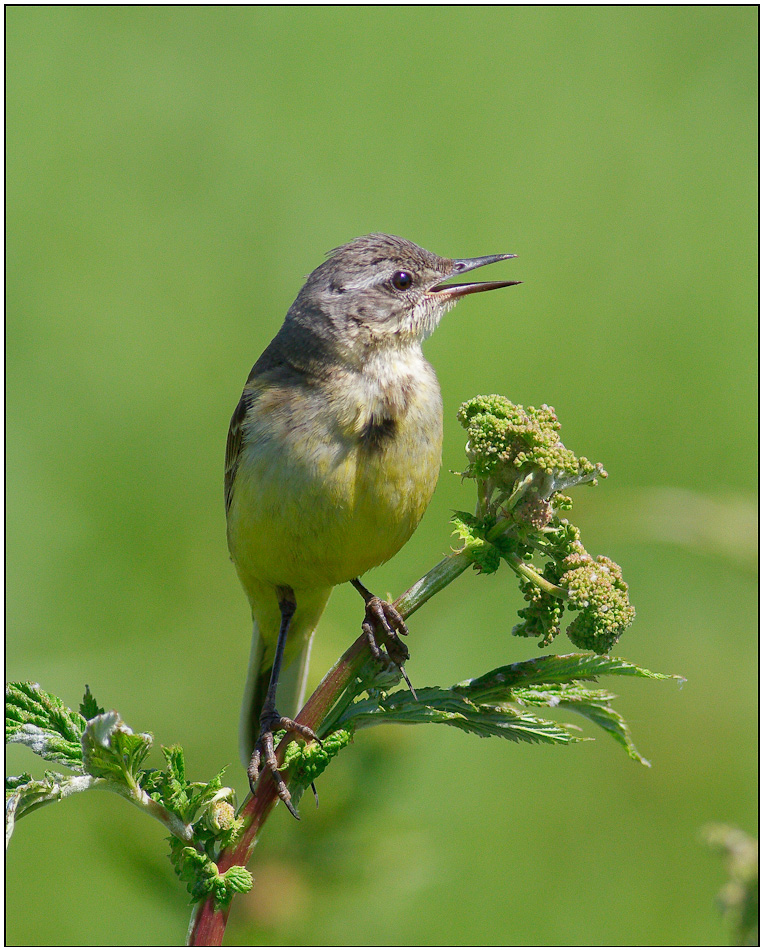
point(555, 681)
point(89, 708)
point(499, 683)
point(25, 794)
point(202, 876)
point(236, 880)
point(42, 722)
point(483, 554)
point(448, 707)
point(593, 704)
point(600, 712)
point(210, 806)
point(307, 761)
point(112, 750)
point(169, 785)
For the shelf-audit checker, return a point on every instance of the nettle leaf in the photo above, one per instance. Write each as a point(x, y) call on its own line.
point(112, 750)
point(499, 683)
point(555, 681)
point(448, 707)
point(42, 722)
point(170, 787)
point(492, 705)
point(202, 876)
point(202, 794)
point(89, 708)
point(600, 712)
point(24, 794)
point(485, 556)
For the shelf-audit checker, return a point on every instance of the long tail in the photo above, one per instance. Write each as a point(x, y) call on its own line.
point(291, 689)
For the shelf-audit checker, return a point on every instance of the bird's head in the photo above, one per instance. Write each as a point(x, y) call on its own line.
point(383, 291)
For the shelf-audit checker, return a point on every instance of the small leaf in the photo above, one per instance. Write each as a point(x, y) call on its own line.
point(603, 715)
point(42, 722)
point(237, 880)
point(484, 555)
point(89, 708)
point(307, 761)
point(112, 750)
point(170, 784)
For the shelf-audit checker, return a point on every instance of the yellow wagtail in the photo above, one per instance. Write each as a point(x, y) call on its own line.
point(333, 455)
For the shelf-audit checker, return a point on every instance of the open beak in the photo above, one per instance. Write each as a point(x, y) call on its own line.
point(455, 291)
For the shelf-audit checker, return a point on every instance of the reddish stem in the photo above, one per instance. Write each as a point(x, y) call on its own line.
point(209, 923)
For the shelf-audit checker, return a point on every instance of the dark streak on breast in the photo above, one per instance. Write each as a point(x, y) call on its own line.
point(377, 433)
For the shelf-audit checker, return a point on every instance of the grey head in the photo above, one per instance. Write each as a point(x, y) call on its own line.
point(381, 291)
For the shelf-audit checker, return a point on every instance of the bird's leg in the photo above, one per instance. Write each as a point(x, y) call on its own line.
point(270, 720)
point(383, 624)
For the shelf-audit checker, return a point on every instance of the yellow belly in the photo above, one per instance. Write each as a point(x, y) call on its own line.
point(313, 506)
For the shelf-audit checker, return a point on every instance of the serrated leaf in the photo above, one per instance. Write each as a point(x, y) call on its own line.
point(499, 683)
point(42, 722)
point(170, 787)
point(484, 555)
point(448, 707)
point(555, 694)
point(465, 526)
point(14, 781)
point(238, 879)
point(603, 715)
point(172, 782)
point(112, 750)
point(89, 708)
point(25, 796)
point(201, 794)
point(555, 681)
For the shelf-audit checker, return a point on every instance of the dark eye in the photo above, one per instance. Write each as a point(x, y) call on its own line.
point(402, 280)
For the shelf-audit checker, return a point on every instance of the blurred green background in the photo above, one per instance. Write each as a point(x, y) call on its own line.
point(172, 174)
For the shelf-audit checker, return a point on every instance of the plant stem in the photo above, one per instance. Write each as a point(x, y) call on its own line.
point(156, 809)
point(208, 922)
point(433, 582)
point(525, 570)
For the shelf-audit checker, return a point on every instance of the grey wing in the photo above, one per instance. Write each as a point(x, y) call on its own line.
point(233, 445)
point(270, 370)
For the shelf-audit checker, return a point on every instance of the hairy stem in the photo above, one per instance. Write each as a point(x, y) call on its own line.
point(433, 582)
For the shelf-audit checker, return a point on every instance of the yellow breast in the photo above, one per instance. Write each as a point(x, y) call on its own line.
point(334, 478)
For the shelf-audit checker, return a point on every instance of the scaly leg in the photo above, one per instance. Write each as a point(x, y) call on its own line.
point(270, 720)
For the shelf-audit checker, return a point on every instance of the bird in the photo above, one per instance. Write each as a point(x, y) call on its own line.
point(332, 457)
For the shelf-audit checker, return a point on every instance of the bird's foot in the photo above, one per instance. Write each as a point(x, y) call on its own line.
point(383, 624)
point(264, 755)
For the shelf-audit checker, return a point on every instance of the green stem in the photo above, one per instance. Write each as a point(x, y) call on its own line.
point(174, 824)
point(525, 570)
point(433, 581)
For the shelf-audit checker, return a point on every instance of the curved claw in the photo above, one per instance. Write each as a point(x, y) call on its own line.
point(383, 620)
point(264, 753)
